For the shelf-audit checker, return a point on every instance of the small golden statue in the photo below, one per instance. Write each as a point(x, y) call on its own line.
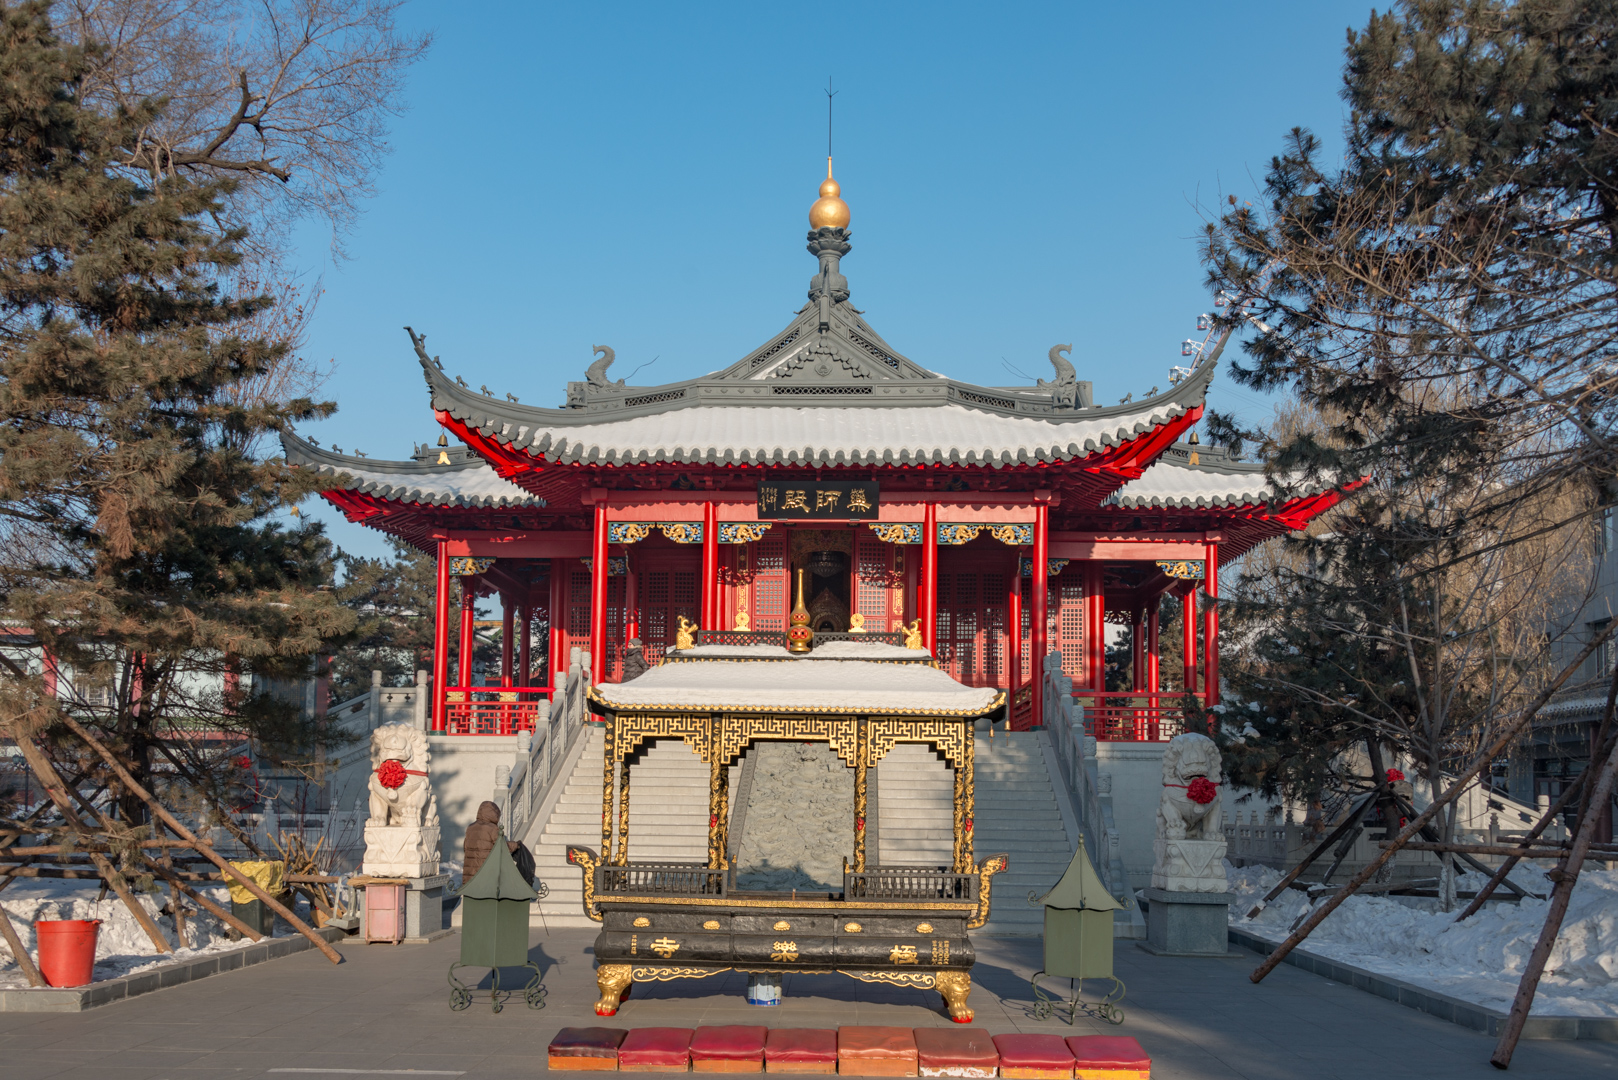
point(913, 636)
point(800, 635)
point(856, 623)
point(685, 634)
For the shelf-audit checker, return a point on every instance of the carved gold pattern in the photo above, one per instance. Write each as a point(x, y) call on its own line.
point(940, 951)
point(632, 729)
point(627, 532)
point(682, 532)
point(954, 986)
point(1015, 535)
point(711, 924)
point(913, 636)
point(852, 928)
point(921, 980)
point(685, 634)
point(737, 731)
point(468, 565)
point(612, 980)
point(782, 925)
point(1183, 569)
point(664, 974)
point(902, 954)
point(861, 794)
point(586, 861)
point(784, 952)
point(896, 532)
point(609, 772)
point(946, 736)
point(952, 535)
point(665, 947)
point(964, 812)
point(922, 928)
point(993, 865)
point(742, 532)
point(621, 850)
point(643, 921)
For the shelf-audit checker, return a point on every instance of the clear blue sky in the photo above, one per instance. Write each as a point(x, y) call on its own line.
point(639, 175)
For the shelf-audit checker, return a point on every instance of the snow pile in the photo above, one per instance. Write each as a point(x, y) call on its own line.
point(1479, 960)
point(122, 947)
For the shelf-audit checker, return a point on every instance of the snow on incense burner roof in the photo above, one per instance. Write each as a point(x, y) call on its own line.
point(863, 687)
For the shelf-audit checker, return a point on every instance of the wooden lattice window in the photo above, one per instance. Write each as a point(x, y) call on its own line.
point(878, 585)
point(768, 587)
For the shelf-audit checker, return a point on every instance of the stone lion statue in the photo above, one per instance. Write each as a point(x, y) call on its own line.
point(400, 791)
point(1189, 809)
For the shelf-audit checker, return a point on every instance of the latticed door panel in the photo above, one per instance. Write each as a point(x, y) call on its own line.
point(879, 584)
point(576, 629)
point(1064, 613)
point(666, 589)
point(972, 637)
point(768, 592)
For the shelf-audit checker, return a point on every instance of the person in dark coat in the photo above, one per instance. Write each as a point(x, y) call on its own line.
point(480, 838)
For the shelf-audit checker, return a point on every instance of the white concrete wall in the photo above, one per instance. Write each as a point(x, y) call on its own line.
point(1135, 772)
point(462, 770)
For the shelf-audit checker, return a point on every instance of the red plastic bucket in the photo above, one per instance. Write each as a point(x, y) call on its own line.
point(67, 950)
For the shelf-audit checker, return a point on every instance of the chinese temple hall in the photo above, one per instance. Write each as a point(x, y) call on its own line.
point(1001, 522)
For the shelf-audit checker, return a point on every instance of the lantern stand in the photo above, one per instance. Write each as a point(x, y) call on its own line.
point(1078, 943)
point(494, 930)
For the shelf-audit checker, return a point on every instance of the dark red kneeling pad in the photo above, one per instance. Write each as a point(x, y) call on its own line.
point(1034, 1057)
point(1109, 1051)
point(729, 1048)
point(956, 1052)
point(655, 1049)
point(876, 1051)
point(801, 1050)
point(586, 1048)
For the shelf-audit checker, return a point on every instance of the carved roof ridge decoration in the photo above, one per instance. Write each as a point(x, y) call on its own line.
point(1203, 477)
point(467, 480)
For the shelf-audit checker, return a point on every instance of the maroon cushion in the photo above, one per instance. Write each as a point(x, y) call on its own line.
point(876, 1043)
point(593, 1042)
point(659, 1046)
point(801, 1045)
point(1031, 1052)
point(939, 1048)
point(730, 1042)
point(1108, 1052)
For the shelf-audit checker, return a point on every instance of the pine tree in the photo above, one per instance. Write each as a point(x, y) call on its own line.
point(140, 545)
point(393, 600)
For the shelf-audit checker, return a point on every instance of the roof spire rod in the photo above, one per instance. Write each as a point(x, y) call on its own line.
point(830, 93)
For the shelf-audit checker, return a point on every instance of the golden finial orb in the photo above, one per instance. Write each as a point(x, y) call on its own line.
point(829, 211)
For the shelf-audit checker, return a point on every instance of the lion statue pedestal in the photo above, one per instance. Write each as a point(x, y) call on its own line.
point(1189, 900)
point(401, 835)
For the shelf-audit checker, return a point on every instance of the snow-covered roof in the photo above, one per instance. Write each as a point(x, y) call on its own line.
point(831, 435)
point(465, 481)
point(827, 650)
point(1215, 481)
point(860, 687)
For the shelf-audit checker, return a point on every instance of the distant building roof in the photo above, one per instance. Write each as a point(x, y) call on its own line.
point(463, 480)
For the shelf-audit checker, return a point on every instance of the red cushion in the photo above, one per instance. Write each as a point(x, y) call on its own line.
point(730, 1042)
point(1108, 1052)
point(1032, 1052)
point(596, 1042)
point(801, 1044)
point(660, 1046)
point(876, 1043)
point(939, 1048)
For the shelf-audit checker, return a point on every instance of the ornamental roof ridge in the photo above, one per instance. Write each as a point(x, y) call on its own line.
point(464, 481)
point(1188, 477)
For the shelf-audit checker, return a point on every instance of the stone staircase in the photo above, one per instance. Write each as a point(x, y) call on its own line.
point(915, 792)
point(1018, 813)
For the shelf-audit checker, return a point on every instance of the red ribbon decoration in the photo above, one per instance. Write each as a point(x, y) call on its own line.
point(390, 774)
point(1394, 776)
point(1201, 790)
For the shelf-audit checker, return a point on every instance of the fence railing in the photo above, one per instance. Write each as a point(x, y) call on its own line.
point(1133, 716)
point(493, 710)
point(556, 724)
point(909, 883)
point(660, 879)
point(1064, 724)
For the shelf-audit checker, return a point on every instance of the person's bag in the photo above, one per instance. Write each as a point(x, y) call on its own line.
point(525, 863)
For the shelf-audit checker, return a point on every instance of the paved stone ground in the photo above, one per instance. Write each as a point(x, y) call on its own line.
point(384, 1012)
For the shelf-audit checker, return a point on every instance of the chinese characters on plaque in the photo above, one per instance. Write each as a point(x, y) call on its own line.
point(834, 499)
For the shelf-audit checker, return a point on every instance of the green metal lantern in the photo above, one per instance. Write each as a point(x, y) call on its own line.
point(494, 929)
point(1078, 941)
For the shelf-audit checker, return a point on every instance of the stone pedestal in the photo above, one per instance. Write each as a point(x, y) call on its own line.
point(401, 851)
point(1187, 923)
point(1189, 866)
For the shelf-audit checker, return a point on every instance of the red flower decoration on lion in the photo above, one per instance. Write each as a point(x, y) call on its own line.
point(391, 774)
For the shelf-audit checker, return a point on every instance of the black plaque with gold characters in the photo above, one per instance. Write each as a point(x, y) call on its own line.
point(841, 500)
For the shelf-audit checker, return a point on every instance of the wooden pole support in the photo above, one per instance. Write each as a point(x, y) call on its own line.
point(24, 962)
point(207, 905)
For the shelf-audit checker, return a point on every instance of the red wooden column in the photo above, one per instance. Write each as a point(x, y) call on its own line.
point(1137, 650)
point(1014, 621)
point(1210, 628)
point(709, 617)
point(598, 594)
point(469, 604)
point(525, 643)
point(441, 637)
point(1095, 627)
point(927, 586)
point(556, 619)
point(1188, 638)
point(1037, 607)
point(1153, 650)
point(507, 626)
point(631, 599)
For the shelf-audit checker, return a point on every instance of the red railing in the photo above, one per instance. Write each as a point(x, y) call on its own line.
point(492, 710)
point(1125, 716)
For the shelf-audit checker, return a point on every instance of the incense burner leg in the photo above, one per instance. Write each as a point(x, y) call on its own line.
point(613, 980)
point(955, 986)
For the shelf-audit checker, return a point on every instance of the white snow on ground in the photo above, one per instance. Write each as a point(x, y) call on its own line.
point(122, 947)
point(1480, 960)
